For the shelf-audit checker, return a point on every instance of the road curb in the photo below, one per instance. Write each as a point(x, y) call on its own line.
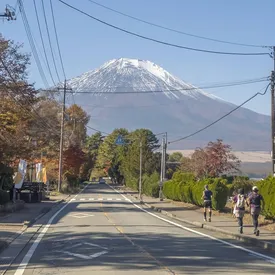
point(249, 240)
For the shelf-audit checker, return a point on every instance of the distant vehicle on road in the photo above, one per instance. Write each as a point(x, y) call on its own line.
point(101, 181)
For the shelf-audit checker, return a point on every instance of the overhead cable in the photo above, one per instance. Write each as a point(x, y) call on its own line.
point(160, 41)
point(32, 44)
point(224, 116)
point(176, 31)
point(49, 38)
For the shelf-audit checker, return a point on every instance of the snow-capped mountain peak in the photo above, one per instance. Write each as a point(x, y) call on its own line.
point(115, 99)
point(134, 75)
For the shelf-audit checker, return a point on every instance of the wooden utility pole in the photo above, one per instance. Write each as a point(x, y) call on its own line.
point(273, 113)
point(64, 89)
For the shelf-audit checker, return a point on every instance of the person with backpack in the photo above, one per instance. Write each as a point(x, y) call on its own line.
point(207, 202)
point(240, 201)
point(255, 201)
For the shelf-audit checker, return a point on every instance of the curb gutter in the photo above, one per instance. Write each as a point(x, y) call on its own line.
point(249, 240)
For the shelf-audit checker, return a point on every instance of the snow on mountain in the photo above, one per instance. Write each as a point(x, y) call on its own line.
point(139, 75)
point(116, 95)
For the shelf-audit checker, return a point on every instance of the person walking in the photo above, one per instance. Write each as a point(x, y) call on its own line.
point(255, 202)
point(207, 202)
point(240, 201)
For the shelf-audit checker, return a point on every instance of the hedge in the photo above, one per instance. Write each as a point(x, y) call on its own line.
point(267, 190)
point(184, 187)
point(150, 184)
point(4, 197)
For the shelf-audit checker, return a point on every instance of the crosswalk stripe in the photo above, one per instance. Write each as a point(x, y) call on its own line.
point(99, 199)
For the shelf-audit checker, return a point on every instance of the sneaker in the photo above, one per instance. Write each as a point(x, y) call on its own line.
point(209, 219)
point(258, 233)
point(204, 220)
point(255, 232)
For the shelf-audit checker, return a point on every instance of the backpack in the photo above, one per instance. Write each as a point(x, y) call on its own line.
point(241, 201)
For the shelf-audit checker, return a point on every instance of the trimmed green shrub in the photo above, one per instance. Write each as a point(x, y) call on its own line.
point(184, 188)
point(150, 185)
point(240, 182)
point(4, 197)
point(267, 190)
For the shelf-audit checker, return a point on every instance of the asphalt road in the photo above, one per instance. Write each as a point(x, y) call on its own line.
point(101, 232)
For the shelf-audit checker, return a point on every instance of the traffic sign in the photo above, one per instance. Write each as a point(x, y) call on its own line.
point(120, 140)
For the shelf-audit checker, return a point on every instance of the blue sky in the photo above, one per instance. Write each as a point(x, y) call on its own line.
point(86, 44)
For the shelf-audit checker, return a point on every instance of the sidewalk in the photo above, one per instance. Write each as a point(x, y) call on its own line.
point(14, 223)
point(192, 214)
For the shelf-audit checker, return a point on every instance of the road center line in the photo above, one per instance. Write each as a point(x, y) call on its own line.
point(251, 252)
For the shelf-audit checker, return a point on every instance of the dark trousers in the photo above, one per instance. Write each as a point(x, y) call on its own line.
point(255, 218)
point(240, 221)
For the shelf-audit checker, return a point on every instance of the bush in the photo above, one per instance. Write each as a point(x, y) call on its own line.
point(150, 185)
point(240, 182)
point(4, 197)
point(267, 190)
point(183, 187)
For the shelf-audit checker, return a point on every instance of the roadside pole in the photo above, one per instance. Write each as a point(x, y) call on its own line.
point(273, 114)
point(162, 170)
point(140, 170)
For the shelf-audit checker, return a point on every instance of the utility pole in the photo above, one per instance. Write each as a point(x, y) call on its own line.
point(64, 89)
point(9, 13)
point(162, 168)
point(140, 169)
point(164, 156)
point(272, 113)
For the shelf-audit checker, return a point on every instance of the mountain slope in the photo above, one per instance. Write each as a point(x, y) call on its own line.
point(116, 95)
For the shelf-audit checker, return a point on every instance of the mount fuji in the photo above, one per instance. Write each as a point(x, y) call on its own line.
point(132, 93)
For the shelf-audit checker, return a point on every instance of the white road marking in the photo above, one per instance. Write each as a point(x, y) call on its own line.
point(109, 199)
point(91, 199)
point(20, 270)
point(81, 215)
point(81, 256)
point(82, 199)
point(100, 199)
point(250, 252)
point(97, 254)
point(96, 245)
point(118, 199)
point(73, 199)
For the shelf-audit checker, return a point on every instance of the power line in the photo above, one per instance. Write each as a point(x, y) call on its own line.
point(57, 40)
point(43, 44)
point(32, 45)
point(96, 130)
point(229, 84)
point(176, 31)
point(160, 41)
point(49, 37)
point(227, 114)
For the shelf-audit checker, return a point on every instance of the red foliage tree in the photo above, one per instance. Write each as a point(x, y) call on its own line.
point(214, 160)
point(74, 157)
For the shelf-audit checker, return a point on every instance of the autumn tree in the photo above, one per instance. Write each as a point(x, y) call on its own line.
point(76, 120)
point(17, 99)
point(214, 160)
